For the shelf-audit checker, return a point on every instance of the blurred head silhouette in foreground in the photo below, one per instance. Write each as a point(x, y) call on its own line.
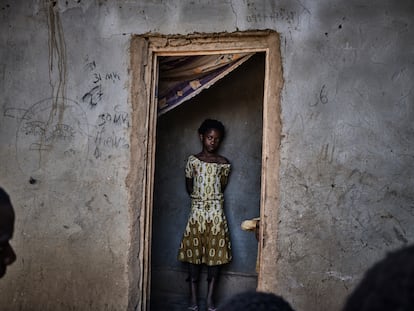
point(387, 286)
point(7, 255)
point(255, 301)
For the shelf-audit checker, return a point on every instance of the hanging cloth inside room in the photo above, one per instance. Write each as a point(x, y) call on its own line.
point(183, 77)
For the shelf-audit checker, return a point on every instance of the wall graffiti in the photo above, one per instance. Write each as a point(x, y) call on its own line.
point(50, 134)
point(54, 134)
point(322, 97)
point(93, 96)
point(274, 15)
point(105, 139)
point(117, 117)
point(110, 125)
point(95, 93)
point(110, 133)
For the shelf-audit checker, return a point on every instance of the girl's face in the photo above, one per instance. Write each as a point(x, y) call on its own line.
point(211, 140)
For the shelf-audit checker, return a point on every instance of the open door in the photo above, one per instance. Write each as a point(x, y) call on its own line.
point(162, 145)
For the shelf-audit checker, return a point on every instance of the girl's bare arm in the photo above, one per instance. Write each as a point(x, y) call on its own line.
point(189, 185)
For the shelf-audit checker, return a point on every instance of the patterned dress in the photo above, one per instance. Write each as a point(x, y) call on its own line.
point(206, 237)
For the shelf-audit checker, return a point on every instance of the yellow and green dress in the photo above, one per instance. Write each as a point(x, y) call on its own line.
point(206, 237)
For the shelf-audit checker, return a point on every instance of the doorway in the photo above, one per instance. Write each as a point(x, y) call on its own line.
point(249, 108)
point(237, 101)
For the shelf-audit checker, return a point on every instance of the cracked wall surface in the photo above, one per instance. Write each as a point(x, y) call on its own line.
point(67, 130)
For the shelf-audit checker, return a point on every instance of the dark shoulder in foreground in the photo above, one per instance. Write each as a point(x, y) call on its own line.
point(255, 301)
point(387, 285)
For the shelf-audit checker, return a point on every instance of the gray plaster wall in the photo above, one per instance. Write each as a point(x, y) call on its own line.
point(346, 155)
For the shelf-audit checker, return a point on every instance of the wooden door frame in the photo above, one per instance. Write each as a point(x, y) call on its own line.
point(140, 182)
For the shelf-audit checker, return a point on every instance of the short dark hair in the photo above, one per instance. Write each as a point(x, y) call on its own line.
point(255, 301)
point(7, 212)
point(4, 197)
point(387, 285)
point(209, 124)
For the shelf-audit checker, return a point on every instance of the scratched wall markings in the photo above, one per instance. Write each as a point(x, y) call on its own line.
point(272, 16)
point(322, 97)
point(52, 136)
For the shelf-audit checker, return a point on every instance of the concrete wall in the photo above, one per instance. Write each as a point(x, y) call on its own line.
point(65, 125)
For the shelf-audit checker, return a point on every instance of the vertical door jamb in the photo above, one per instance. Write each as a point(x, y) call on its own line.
point(269, 204)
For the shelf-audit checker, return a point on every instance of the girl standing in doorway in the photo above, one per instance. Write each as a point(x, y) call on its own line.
point(206, 236)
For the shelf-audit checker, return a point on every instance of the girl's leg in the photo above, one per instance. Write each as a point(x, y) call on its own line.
point(212, 279)
point(194, 271)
